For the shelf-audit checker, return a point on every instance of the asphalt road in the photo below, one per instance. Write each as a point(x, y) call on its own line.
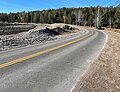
point(50, 70)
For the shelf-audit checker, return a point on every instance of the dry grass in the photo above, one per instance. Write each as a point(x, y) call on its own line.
point(113, 30)
point(104, 72)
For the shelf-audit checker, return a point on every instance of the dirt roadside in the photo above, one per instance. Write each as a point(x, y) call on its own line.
point(104, 72)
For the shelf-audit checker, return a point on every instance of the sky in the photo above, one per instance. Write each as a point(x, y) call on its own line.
point(7, 6)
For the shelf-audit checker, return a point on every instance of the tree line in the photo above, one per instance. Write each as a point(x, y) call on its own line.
point(87, 16)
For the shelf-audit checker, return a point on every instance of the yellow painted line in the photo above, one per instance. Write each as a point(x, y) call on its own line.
point(43, 52)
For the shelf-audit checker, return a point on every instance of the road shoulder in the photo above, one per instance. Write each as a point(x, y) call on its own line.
point(104, 72)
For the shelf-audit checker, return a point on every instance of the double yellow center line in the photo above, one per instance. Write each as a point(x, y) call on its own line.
point(43, 52)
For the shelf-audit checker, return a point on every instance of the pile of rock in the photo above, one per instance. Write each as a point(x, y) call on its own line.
point(22, 39)
point(38, 34)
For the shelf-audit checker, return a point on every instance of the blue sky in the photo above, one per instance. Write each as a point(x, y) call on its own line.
point(30, 5)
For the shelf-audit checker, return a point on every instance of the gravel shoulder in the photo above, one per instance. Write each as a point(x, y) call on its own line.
point(104, 72)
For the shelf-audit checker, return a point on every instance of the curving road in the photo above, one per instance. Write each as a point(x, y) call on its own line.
point(52, 66)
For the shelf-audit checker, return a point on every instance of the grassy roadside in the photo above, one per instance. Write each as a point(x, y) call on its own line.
point(104, 72)
point(113, 30)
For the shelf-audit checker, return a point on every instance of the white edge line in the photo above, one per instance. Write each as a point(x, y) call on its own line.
point(93, 59)
point(105, 41)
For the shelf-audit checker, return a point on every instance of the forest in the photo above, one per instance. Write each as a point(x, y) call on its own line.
point(87, 16)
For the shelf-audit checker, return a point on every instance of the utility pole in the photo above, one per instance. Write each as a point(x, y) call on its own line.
point(79, 17)
point(76, 17)
point(98, 16)
point(110, 22)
